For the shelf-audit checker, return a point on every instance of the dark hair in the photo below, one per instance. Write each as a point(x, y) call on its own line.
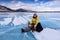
point(34, 16)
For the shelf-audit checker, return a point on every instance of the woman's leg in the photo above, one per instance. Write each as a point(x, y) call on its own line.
point(26, 29)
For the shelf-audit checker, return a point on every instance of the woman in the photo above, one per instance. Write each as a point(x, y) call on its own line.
point(34, 24)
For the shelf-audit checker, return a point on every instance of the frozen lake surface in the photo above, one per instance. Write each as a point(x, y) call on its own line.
point(11, 24)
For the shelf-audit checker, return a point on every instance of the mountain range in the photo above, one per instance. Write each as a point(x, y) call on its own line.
point(6, 9)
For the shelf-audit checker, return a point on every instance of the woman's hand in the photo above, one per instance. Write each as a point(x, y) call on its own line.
point(29, 26)
point(35, 27)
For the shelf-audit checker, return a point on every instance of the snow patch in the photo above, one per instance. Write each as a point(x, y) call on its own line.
point(19, 20)
point(55, 18)
point(47, 34)
point(6, 21)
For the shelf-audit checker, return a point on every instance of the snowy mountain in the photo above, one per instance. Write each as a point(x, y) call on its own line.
point(4, 9)
point(23, 10)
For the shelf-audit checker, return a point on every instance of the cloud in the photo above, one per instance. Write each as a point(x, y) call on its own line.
point(35, 0)
point(48, 6)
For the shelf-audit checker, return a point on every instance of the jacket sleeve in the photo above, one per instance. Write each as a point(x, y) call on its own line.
point(37, 20)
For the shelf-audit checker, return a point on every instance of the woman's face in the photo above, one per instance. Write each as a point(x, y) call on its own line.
point(35, 15)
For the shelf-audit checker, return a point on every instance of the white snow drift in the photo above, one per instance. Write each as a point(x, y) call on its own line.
point(47, 34)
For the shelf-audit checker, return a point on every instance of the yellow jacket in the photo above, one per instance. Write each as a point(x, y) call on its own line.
point(35, 21)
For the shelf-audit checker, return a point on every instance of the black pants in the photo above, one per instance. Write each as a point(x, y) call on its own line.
point(39, 28)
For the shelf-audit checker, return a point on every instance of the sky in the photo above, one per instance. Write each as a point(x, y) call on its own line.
point(36, 5)
point(26, 1)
